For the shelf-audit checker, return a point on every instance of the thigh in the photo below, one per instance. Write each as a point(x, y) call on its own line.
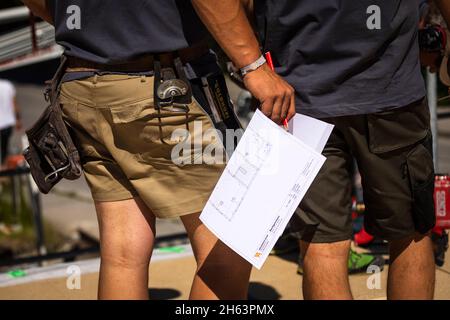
point(127, 230)
point(324, 214)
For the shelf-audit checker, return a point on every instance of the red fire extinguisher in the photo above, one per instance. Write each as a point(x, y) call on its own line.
point(442, 201)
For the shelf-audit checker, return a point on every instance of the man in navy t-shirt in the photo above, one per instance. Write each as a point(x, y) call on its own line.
point(355, 64)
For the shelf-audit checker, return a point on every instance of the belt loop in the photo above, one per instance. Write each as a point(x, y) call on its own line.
point(94, 81)
point(143, 78)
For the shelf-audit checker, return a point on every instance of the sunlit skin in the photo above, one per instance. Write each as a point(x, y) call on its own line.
point(411, 270)
point(127, 234)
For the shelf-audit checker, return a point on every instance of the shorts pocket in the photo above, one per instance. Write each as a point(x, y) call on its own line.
point(134, 126)
point(398, 128)
point(421, 176)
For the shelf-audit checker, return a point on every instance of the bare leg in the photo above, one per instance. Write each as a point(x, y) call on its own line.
point(325, 270)
point(221, 273)
point(127, 232)
point(412, 269)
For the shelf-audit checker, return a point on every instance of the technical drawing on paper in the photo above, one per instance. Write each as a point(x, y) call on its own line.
point(241, 171)
point(288, 206)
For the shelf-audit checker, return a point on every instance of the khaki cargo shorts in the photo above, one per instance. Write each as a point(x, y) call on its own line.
point(126, 148)
point(393, 151)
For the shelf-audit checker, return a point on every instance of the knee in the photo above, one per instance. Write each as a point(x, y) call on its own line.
point(335, 250)
point(124, 254)
point(122, 262)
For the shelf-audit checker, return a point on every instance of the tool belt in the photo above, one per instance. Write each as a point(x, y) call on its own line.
point(51, 153)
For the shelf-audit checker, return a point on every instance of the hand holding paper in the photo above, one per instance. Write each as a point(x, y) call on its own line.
point(263, 184)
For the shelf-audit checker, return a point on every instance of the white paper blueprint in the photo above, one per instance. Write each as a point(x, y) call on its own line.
point(260, 188)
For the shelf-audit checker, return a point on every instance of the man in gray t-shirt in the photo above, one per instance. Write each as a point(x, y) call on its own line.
point(355, 64)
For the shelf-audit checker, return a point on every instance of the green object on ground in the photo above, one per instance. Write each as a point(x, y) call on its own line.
point(17, 273)
point(172, 249)
point(359, 262)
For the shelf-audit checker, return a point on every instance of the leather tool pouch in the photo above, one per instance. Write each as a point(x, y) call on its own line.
point(51, 154)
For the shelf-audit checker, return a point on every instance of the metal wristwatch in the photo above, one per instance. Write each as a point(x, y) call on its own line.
point(253, 66)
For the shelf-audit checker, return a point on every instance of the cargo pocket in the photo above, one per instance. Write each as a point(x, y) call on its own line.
point(398, 128)
point(134, 126)
point(151, 136)
point(420, 168)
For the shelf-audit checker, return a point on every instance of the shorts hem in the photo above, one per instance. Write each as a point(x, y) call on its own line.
point(177, 215)
point(113, 196)
point(179, 210)
point(395, 236)
point(323, 239)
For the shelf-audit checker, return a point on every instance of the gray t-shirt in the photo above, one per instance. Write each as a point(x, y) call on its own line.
point(115, 31)
point(338, 60)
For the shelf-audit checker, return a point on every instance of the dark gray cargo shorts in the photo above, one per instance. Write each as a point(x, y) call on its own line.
point(393, 150)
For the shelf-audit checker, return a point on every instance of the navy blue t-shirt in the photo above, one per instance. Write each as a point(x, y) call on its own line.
point(345, 57)
point(115, 31)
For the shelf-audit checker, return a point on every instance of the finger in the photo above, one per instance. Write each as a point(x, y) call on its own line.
point(292, 110)
point(276, 111)
point(286, 104)
point(266, 107)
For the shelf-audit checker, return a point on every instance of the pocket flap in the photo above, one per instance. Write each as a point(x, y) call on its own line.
point(399, 128)
point(130, 113)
